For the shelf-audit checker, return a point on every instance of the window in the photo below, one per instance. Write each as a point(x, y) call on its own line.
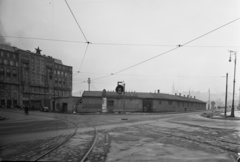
point(2, 94)
point(110, 102)
point(56, 80)
point(58, 72)
point(1, 70)
point(14, 56)
point(8, 95)
point(6, 62)
point(8, 72)
point(16, 64)
point(11, 63)
point(169, 102)
point(2, 54)
point(1, 61)
point(25, 65)
point(14, 72)
point(8, 78)
point(8, 55)
point(14, 79)
point(160, 102)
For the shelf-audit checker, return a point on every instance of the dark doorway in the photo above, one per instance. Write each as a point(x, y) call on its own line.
point(26, 103)
point(147, 105)
point(64, 107)
point(9, 103)
point(14, 102)
point(53, 105)
point(2, 103)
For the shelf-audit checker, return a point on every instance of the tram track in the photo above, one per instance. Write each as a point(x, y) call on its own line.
point(49, 146)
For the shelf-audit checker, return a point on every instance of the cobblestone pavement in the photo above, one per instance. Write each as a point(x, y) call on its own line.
point(170, 137)
point(73, 150)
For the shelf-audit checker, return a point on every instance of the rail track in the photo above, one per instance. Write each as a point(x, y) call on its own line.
point(40, 151)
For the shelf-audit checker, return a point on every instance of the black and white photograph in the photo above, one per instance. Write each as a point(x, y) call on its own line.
point(120, 80)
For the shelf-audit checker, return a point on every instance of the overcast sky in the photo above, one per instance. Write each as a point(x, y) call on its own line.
point(108, 24)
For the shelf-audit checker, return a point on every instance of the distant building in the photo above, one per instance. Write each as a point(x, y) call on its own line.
point(140, 102)
point(33, 79)
point(9, 76)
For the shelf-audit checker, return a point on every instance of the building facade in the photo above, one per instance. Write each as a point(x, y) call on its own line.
point(9, 76)
point(32, 78)
point(140, 102)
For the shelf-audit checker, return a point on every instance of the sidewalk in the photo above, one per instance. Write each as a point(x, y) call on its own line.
point(221, 116)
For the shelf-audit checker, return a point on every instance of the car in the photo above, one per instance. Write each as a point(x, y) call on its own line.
point(44, 109)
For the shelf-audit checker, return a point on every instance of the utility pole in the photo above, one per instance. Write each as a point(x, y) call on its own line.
point(239, 100)
point(235, 61)
point(208, 99)
point(89, 82)
point(226, 95)
point(124, 85)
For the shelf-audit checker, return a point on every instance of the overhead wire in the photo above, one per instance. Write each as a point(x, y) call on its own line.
point(83, 58)
point(117, 44)
point(160, 77)
point(76, 21)
point(45, 39)
point(178, 46)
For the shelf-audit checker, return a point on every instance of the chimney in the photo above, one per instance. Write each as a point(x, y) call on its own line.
point(184, 96)
point(179, 94)
point(187, 96)
point(158, 91)
point(194, 97)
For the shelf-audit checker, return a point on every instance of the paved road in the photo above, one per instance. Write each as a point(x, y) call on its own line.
point(166, 137)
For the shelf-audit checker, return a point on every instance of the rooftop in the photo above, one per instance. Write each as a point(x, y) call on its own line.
point(141, 95)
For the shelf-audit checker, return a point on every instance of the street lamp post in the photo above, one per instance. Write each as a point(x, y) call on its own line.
point(226, 95)
point(235, 61)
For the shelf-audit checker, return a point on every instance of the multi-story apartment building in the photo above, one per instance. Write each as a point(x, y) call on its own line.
point(9, 76)
point(36, 79)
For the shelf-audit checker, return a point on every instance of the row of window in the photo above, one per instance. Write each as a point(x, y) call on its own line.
point(57, 93)
point(111, 103)
point(7, 54)
point(61, 67)
point(61, 73)
point(8, 62)
point(8, 87)
point(8, 95)
point(8, 78)
point(8, 71)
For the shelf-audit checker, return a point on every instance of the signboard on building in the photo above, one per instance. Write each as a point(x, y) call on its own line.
point(119, 89)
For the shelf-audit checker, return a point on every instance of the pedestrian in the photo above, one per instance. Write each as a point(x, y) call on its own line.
point(27, 107)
